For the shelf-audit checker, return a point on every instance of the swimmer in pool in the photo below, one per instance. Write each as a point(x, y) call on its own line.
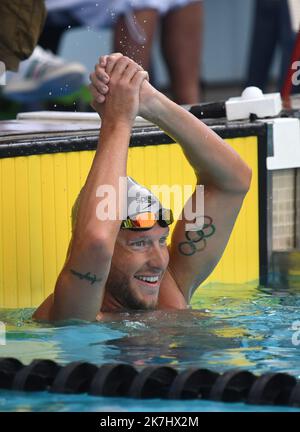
point(124, 263)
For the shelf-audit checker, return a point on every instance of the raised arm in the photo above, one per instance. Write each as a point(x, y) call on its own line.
point(209, 155)
point(226, 179)
point(80, 286)
point(225, 176)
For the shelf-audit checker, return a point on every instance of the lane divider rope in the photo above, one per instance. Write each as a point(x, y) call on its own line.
point(164, 382)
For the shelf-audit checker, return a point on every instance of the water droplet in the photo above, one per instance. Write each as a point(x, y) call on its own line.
point(69, 26)
point(50, 93)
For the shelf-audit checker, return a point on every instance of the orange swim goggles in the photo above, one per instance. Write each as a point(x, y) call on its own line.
point(147, 220)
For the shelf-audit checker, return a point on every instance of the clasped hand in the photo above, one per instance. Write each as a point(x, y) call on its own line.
point(120, 88)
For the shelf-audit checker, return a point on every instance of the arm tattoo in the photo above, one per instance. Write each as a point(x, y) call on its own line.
point(87, 276)
point(196, 240)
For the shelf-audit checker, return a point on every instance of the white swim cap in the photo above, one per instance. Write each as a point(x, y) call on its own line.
point(139, 200)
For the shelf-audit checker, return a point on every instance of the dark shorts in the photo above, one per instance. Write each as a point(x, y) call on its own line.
point(21, 24)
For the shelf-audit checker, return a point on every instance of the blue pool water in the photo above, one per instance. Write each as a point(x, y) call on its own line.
point(229, 327)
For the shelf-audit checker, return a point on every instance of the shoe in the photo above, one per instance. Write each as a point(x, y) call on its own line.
point(44, 76)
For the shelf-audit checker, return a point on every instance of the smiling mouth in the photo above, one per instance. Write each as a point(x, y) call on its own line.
point(149, 280)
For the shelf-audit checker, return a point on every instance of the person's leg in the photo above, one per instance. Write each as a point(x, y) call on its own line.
point(133, 35)
point(57, 23)
point(265, 36)
point(287, 43)
point(181, 38)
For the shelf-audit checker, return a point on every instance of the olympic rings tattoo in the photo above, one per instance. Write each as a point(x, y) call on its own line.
point(197, 239)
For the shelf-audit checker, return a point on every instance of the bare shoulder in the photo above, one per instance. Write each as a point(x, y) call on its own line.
point(43, 312)
point(194, 254)
point(170, 295)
